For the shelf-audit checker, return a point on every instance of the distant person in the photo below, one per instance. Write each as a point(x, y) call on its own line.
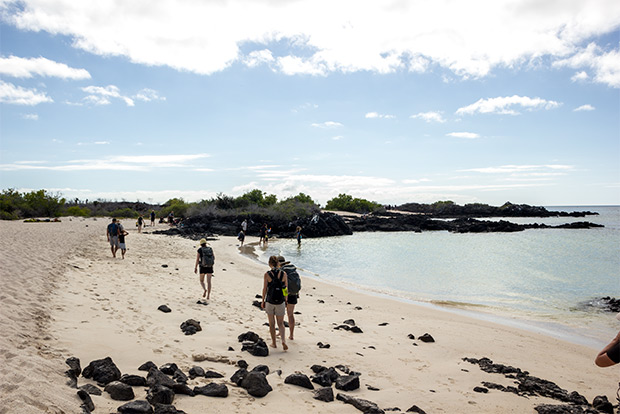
point(140, 223)
point(293, 287)
point(171, 218)
point(152, 218)
point(263, 233)
point(244, 226)
point(205, 259)
point(274, 300)
point(610, 355)
point(298, 235)
point(112, 233)
point(241, 237)
point(121, 238)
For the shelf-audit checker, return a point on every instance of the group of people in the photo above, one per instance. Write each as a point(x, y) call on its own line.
point(116, 237)
point(264, 234)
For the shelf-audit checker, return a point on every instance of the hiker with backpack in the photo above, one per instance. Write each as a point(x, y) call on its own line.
point(294, 286)
point(205, 259)
point(274, 300)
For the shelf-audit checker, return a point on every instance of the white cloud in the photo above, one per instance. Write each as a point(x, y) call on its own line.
point(605, 64)
point(522, 169)
point(148, 95)
point(327, 125)
point(102, 142)
point(505, 105)
point(586, 107)
point(100, 95)
point(16, 95)
point(465, 135)
point(337, 137)
point(323, 36)
point(580, 76)
point(258, 57)
point(31, 117)
point(18, 67)
point(374, 115)
point(429, 117)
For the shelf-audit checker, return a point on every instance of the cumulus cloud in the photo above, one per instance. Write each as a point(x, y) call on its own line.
point(605, 64)
point(586, 107)
point(580, 76)
point(429, 117)
point(101, 95)
point(327, 125)
point(16, 95)
point(323, 36)
point(374, 115)
point(18, 67)
point(465, 135)
point(505, 105)
point(148, 95)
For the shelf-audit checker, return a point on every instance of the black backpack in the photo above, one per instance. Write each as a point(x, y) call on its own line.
point(206, 256)
point(275, 295)
point(294, 281)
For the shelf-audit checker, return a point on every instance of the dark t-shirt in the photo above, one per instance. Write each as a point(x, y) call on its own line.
point(113, 229)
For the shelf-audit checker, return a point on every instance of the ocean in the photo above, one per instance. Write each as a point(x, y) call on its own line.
point(543, 280)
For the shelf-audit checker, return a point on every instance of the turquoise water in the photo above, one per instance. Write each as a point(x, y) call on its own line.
point(537, 279)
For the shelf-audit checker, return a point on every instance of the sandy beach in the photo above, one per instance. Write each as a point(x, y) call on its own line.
point(65, 296)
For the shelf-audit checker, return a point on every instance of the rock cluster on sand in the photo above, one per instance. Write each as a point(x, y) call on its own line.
point(253, 344)
point(190, 327)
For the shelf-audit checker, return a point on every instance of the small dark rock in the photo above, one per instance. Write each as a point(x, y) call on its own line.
point(239, 375)
point(160, 394)
point(91, 389)
point(323, 346)
point(324, 394)
point(349, 322)
point(261, 368)
point(182, 389)
point(230, 348)
point(356, 329)
point(242, 364)
point(196, 371)
point(371, 388)
point(166, 409)
point(416, 409)
point(86, 400)
point(103, 371)
point(164, 265)
point(348, 383)
point(164, 309)
point(136, 407)
point(365, 406)
point(602, 404)
point(74, 364)
point(180, 377)
point(213, 374)
point(190, 327)
point(248, 337)
point(212, 390)
point(133, 380)
point(411, 336)
point(147, 366)
point(384, 324)
point(119, 391)
point(299, 379)
point(156, 377)
point(426, 338)
point(481, 389)
point(256, 384)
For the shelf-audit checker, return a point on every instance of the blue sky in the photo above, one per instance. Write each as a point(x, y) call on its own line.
point(392, 101)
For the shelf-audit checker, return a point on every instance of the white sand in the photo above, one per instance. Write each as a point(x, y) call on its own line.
point(70, 298)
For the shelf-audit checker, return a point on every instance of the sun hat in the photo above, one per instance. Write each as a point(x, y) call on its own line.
point(203, 241)
point(282, 260)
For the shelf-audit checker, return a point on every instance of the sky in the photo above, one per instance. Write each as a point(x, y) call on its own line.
point(394, 101)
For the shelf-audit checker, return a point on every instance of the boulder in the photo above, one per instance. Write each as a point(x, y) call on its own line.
point(301, 380)
point(103, 371)
point(255, 383)
point(119, 391)
point(325, 394)
point(133, 380)
point(212, 390)
point(348, 382)
point(158, 394)
point(147, 366)
point(136, 407)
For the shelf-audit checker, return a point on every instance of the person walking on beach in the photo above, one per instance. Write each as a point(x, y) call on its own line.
point(171, 218)
point(205, 259)
point(274, 300)
point(112, 233)
point(140, 223)
point(263, 234)
point(121, 238)
point(241, 237)
point(244, 226)
point(152, 218)
point(293, 287)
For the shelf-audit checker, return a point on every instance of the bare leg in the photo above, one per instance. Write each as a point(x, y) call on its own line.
point(272, 330)
point(291, 319)
point(280, 320)
point(209, 275)
point(123, 252)
point(202, 283)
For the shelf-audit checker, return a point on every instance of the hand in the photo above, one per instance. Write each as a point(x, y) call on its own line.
point(262, 305)
point(195, 270)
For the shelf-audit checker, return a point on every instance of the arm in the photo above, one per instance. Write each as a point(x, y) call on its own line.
point(602, 360)
point(107, 233)
point(265, 281)
point(197, 261)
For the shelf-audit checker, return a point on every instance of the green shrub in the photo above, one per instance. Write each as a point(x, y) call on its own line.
point(78, 211)
point(345, 202)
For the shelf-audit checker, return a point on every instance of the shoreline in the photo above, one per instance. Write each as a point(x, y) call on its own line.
point(556, 330)
point(102, 307)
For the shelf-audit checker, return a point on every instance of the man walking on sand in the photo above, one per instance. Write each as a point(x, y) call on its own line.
point(112, 233)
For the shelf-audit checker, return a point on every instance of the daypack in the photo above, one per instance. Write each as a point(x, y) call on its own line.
point(206, 256)
point(294, 281)
point(274, 290)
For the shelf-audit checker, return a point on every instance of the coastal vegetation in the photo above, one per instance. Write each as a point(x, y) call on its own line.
point(345, 202)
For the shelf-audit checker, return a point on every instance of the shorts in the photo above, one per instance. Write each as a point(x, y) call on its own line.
point(277, 310)
point(614, 353)
point(122, 246)
point(206, 269)
point(114, 241)
point(292, 299)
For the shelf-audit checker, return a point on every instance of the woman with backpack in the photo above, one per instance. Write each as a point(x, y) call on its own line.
point(274, 300)
point(205, 259)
